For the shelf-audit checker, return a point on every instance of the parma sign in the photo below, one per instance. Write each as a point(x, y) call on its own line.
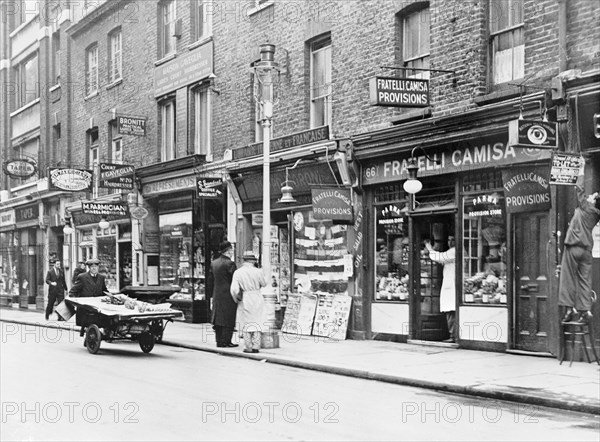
point(20, 168)
point(398, 92)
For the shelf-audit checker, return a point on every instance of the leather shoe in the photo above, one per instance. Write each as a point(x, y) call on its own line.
point(254, 350)
point(220, 345)
point(568, 316)
point(584, 318)
point(231, 345)
point(247, 350)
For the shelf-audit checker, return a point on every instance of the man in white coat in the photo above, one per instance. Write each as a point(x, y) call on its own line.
point(251, 313)
point(448, 291)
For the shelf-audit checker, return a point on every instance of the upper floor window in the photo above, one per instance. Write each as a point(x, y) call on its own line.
point(320, 82)
point(168, 133)
point(202, 18)
point(56, 53)
point(167, 19)
point(415, 43)
point(507, 44)
point(114, 56)
point(24, 10)
point(202, 121)
point(27, 79)
point(91, 70)
point(94, 149)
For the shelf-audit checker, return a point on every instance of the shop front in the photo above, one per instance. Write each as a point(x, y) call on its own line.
point(182, 232)
point(504, 258)
point(312, 257)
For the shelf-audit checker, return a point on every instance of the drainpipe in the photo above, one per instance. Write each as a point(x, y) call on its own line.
point(562, 35)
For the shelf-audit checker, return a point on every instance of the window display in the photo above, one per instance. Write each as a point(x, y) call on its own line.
point(176, 252)
point(484, 240)
point(391, 254)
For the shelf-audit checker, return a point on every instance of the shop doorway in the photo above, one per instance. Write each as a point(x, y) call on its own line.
point(530, 237)
point(429, 323)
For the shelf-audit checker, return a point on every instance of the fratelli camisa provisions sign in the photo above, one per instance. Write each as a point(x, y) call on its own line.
point(332, 203)
point(399, 92)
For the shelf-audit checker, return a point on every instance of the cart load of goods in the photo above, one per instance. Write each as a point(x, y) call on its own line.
point(138, 306)
point(486, 288)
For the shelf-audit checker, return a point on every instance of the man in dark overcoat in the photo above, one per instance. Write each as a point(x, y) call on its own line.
point(57, 286)
point(224, 307)
point(78, 270)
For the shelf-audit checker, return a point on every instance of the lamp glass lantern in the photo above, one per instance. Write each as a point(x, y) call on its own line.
point(412, 185)
point(68, 229)
point(103, 224)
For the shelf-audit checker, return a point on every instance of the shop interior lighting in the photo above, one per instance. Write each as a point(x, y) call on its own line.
point(103, 224)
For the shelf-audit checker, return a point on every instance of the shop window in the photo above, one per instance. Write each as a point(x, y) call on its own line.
point(27, 79)
point(484, 248)
point(415, 42)
point(506, 39)
point(91, 70)
point(391, 253)
point(321, 82)
point(176, 257)
point(107, 254)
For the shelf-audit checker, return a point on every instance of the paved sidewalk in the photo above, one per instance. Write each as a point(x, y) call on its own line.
point(524, 379)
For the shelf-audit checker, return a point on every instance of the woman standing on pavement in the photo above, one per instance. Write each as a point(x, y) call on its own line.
point(245, 290)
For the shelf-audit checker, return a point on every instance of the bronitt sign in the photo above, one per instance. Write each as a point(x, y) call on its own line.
point(398, 92)
point(131, 126)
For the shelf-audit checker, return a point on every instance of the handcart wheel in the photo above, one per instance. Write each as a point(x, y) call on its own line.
point(93, 338)
point(157, 328)
point(146, 341)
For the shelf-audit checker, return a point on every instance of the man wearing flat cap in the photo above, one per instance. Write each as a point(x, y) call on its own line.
point(78, 271)
point(90, 283)
point(224, 307)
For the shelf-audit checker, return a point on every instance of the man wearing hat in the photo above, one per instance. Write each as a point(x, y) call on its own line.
point(245, 290)
point(89, 283)
point(55, 278)
point(224, 308)
point(78, 271)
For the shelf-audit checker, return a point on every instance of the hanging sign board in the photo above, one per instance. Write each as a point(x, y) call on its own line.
point(398, 92)
point(565, 168)
point(116, 176)
point(529, 133)
point(210, 187)
point(332, 203)
point(131, 126)
point(105, 208)
point(526, 189)
point(20, 168)
point(73, 180)
point(331, 318)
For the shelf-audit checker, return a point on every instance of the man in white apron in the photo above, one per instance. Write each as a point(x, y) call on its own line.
point(251, 313)
point(448, 291)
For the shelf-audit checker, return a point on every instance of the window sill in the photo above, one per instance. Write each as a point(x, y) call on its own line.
point(114, 83)
point(92, 95)
point(200, 42)
point(500, 94)
point(259, 8)
point(25, 107)
point(390, 301)
point(166, 58)
point(412, 116)
point(483, 304)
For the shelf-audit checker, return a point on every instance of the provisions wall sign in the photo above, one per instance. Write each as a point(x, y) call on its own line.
point(526, 189)
point(398, 92)
point(332, 203)
point(72, 180)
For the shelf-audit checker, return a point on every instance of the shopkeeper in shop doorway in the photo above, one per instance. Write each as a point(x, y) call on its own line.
point(448, 292)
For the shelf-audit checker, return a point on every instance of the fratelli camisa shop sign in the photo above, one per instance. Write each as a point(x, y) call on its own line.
point(400, 92)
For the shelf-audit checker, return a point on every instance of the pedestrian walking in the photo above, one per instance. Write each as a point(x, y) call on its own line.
point(245, 290)
point(448, 291)
point(57, 286)
point(575, 286)
point(224, 307)
point(78, 270)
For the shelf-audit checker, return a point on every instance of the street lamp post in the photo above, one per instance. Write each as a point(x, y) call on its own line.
point(264, 71)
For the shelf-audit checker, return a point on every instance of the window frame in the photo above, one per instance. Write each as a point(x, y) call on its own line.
point(166, 29)
point(93, 143)
point(512, 30)
point(203, 23)
point(91, 70)
point(168, 152)
point(422, 58)
point(115, 57)
point(318, 45)
point(202, 120)
point(21, 76)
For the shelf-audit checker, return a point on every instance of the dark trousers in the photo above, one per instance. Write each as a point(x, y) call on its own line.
point(575, 287)
point(451, 320)
point(52, 298)
point(223, 334)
